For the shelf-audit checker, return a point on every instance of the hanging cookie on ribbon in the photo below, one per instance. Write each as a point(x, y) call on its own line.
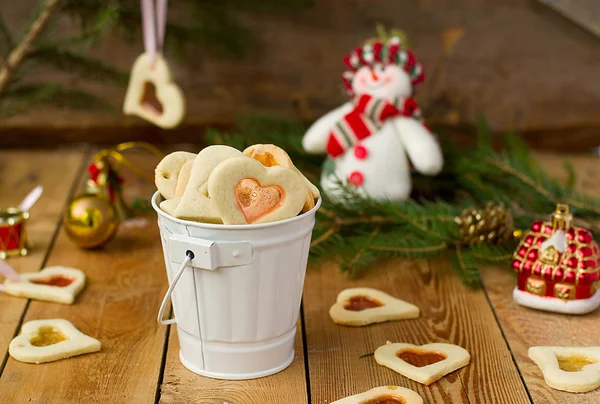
point(152, 94)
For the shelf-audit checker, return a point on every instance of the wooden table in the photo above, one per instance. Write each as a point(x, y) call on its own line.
point(139, 360)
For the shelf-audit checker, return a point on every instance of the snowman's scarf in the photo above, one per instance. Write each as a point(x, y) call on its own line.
point(367, 117)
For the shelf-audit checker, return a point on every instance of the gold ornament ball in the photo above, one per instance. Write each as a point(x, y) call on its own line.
point(90, 220)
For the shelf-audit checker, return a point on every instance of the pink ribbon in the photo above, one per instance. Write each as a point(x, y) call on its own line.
point(9, 273)
point(154, 22)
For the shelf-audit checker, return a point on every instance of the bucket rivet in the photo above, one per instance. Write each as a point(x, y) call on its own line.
point(235, 253)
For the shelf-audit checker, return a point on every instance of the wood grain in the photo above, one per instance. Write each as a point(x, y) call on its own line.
point(585, 13)
point(182, 386)
point(125, 284)
point(449, 313)
point(20, 172)
point(524, 327)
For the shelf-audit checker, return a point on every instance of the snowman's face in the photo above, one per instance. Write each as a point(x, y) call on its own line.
point(382, 81)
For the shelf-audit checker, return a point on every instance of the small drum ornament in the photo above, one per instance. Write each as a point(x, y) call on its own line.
point(13, 236)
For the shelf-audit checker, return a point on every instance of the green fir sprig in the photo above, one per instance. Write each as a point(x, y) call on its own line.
point(356, 231)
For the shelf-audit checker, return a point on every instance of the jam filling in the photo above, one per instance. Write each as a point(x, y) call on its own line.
point(58, 280)
point(48, 336)
point(573, 363)
point(255, 201)
point(385, 399)
point(360, 303)
point(420, 358)
point(266, 159)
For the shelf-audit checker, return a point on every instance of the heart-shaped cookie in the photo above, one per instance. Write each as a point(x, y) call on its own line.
point(152, 95)
point(195, 203)
point(43, 341)
point(52, 284)
point(424, 364)
point(244, 191)
point(166, 174)
point(383, 395)
point(270, 155)
point(573, 369)
point(363, 306)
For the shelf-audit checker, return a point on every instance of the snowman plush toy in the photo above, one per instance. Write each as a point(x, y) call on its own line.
point(370, 139)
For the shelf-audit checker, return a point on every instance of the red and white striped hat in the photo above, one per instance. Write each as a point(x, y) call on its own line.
point(380, 52)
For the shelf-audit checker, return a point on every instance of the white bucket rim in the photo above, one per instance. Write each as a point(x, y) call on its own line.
point(165, 215)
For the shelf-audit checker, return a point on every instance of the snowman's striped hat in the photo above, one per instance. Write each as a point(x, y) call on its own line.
point(380, 52)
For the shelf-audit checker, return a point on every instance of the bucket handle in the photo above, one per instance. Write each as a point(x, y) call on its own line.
point(189, 256)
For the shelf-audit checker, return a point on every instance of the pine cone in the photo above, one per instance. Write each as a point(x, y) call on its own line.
point(491, 225)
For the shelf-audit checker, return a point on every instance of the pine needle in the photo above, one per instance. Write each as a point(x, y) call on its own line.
point(66, 60)
point(6, 35)
point(21, 98)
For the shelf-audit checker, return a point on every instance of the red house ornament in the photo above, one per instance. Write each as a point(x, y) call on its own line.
point(558, 266)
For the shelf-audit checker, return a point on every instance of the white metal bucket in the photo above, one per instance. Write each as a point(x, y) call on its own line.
point(236, 302)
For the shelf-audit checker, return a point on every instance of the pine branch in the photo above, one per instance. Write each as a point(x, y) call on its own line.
point(270, 5)
point(6, 35)
point(22, 98)
point(102, 22)
point(21, 50)
point(65, 60)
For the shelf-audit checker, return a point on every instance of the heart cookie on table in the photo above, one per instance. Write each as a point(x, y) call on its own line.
point(52, 284)
point(363, 306)
point(152, 94)
point(195, 203)
point(244, 191)
point(424, 364)
point(572, 369)
point(383, 395)
point(270, 155)
point(43, 341)
point(166, 174)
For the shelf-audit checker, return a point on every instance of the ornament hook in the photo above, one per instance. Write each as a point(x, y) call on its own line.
point(562, 218)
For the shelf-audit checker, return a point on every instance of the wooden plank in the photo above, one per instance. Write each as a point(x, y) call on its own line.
point(524, 328)
point(125, 283)
point(582, 12)
point(295, 70)
point(449, 313)
point(20, 172)
point(182, 386)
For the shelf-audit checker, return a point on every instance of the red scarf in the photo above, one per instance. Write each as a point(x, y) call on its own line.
point(367, 117)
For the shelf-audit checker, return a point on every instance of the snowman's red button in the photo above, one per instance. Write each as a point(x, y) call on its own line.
point(361, 152)
point(356, 178)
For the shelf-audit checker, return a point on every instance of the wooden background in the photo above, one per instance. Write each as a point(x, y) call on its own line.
point(523, 65)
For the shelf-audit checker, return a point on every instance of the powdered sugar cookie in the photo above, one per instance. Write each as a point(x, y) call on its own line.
point(363, 306)
point(52, 284)
point(195, 204)
point(50, 340)
point(573, 369)
point(424, 364)
point(383, 395)
point(244, 191)
point(167, 172)
point(270, 155)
